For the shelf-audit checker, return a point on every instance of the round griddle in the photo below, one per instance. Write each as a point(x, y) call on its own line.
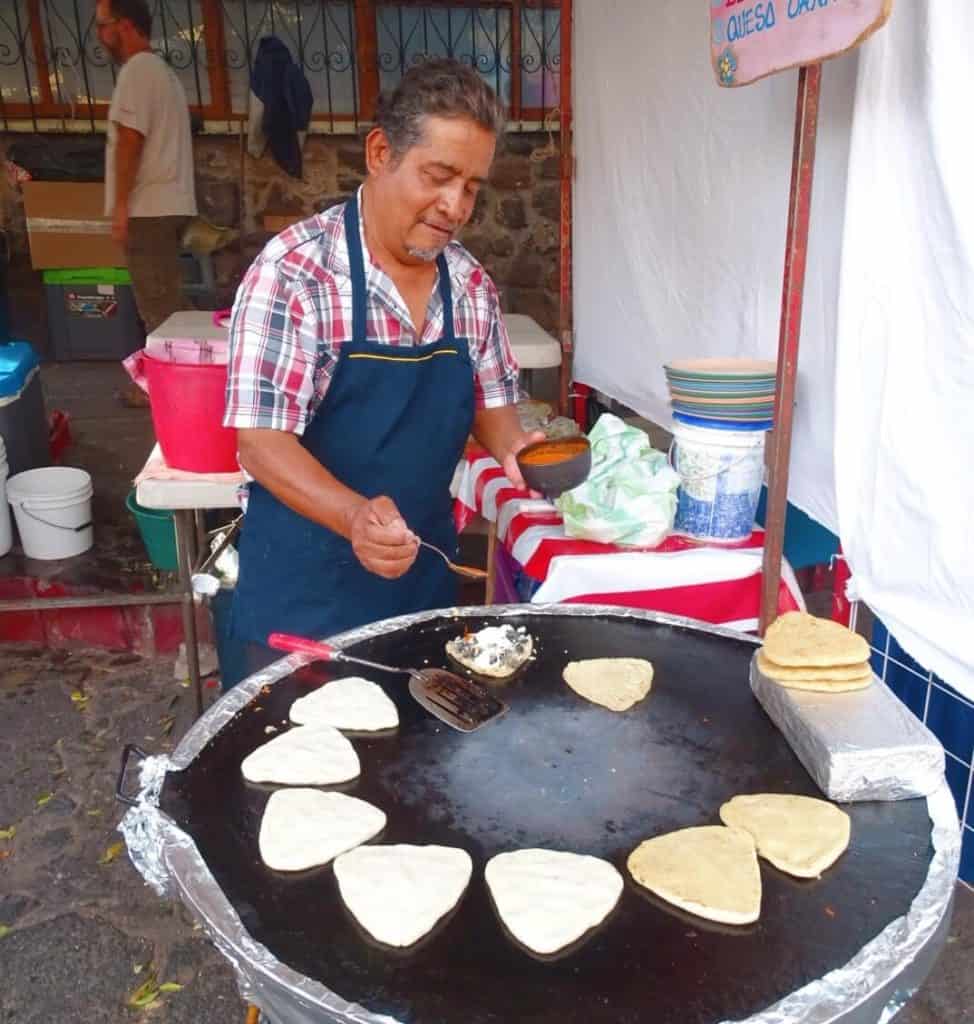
point(558, 772)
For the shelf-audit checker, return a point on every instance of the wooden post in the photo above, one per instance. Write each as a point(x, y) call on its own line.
point(565, 219)
point(792, 294)
point(366, 58)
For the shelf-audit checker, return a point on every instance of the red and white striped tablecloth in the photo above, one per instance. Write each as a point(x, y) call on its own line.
point(681, 576)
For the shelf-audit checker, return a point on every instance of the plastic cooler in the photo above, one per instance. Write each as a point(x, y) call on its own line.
point(91, 313)
point(184, 370)
point(23, 425)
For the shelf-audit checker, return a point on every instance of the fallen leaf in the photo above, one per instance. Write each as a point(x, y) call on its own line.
point(8, 833)
point(111, 853)
point(4, 854)
point(4, 930)
point(145, 994)
point(170, 986)
point(138, 968)
point(45, 798)
point(95, 813)
point(80, 699)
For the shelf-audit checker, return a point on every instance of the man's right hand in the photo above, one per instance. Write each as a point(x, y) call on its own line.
point(380, 538)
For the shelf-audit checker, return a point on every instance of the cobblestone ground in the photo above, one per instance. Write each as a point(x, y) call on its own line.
point(79, 935)
point(79, 931)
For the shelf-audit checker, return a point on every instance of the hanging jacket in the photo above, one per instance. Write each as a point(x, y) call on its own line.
point(283, 90)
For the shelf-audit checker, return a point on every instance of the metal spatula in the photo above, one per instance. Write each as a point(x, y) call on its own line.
point(459, 702)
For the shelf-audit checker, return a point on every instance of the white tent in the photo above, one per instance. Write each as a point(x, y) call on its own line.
point(680, 205)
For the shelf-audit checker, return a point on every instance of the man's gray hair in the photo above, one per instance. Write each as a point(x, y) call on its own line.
point(436, 88)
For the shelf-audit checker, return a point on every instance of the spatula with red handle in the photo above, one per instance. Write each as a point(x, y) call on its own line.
point(459, 702)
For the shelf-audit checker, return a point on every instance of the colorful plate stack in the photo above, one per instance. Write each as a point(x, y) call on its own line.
point(733, 394)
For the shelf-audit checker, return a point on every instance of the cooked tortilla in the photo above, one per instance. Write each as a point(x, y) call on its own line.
point(615, 683)
point(800, 640)
point(801, 835)
point(710, 871)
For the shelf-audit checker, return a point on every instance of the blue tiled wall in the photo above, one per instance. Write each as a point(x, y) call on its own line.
point(948, 716)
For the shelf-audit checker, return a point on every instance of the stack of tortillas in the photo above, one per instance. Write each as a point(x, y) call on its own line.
point(803, 652)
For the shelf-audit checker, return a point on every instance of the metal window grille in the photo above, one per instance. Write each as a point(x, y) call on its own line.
point(54, 72)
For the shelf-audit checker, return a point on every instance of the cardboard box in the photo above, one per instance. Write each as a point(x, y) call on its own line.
point(66, 227)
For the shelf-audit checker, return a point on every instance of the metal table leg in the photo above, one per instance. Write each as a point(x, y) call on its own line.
point(185, 544)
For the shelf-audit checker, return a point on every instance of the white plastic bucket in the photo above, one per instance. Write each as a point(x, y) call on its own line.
point(52, 507)
point(6, 533)
point(721, 473)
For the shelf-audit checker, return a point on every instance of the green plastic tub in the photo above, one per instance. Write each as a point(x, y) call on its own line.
point(158, 533)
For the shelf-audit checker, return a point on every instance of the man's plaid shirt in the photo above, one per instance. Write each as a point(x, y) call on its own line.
point(294, 310)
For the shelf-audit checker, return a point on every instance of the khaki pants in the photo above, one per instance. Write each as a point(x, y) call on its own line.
point(152, 250)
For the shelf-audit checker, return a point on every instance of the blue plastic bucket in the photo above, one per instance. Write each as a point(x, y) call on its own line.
point(721, 473)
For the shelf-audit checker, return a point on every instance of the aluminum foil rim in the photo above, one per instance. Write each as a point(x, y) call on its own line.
point(875, 966)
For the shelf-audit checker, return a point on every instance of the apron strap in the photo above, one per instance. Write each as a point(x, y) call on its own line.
point(446, 294)
point(356, 263)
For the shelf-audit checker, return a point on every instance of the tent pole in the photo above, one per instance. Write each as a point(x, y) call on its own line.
point(565, 218)
point(792, 293)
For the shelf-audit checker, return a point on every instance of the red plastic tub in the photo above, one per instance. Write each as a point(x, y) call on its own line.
point(187, 412)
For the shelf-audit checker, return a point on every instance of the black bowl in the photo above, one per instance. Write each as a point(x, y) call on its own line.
point(554, 478)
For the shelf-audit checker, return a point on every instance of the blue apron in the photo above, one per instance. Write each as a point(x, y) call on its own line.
point(393, 421)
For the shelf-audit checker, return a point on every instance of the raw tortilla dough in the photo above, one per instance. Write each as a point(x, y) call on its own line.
point(352, 703)
point(834, 673)
point(305, 755)
point(398, 893)
point(799, 834)
point(800, 640)
point(303, 828)
point(615, 683)
point(496, 651)
point(548, 899)
point(710, 871)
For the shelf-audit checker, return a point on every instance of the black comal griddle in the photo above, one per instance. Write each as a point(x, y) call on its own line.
point(562, 773)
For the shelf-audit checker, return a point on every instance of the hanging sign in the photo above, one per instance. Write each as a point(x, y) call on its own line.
point(753, 38)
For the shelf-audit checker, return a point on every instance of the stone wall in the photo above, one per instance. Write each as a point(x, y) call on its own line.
point(514, 230)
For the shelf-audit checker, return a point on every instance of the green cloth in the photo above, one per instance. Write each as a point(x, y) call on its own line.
point(629, 497)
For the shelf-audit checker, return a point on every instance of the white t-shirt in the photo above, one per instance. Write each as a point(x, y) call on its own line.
point(149, 98)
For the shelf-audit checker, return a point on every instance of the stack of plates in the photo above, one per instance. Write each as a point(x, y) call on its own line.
point(736, 394)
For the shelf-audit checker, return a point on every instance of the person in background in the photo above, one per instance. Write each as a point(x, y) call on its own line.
point(150, 190)
point(366, 344)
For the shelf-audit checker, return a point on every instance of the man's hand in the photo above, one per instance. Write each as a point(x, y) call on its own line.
point(509, 464)
point(120, 223)
point(380, 538)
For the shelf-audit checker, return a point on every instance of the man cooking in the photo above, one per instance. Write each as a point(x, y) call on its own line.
point(366, 344)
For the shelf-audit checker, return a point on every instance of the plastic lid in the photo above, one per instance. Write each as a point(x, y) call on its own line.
point(17, 359)
point(717, 424)
point(88, 275)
